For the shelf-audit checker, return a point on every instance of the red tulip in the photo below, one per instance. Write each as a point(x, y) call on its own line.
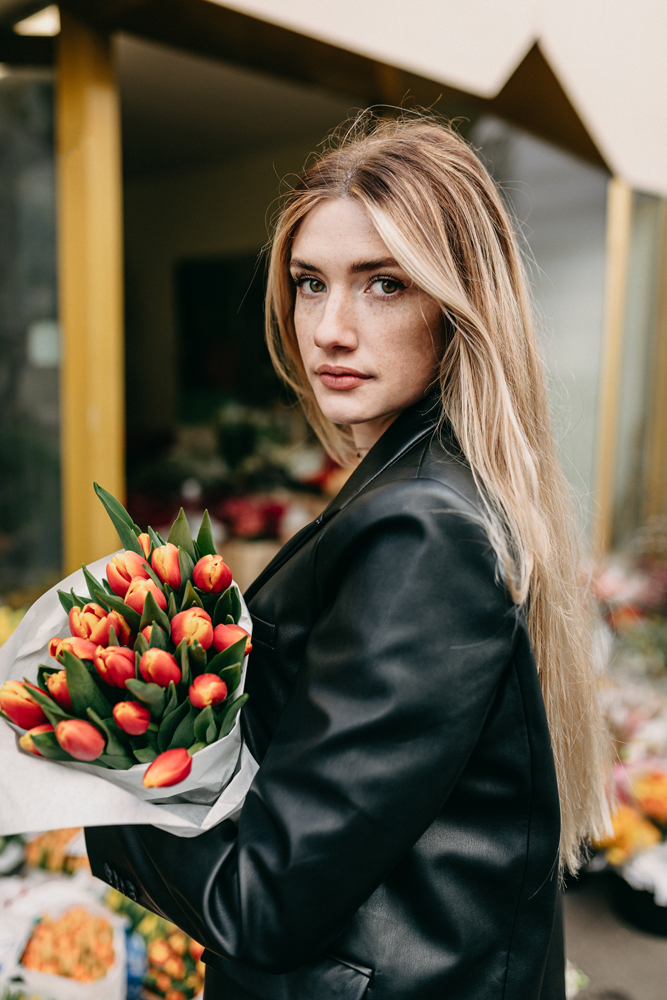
point(132, 717)
point(227, 635)
point(94, 623)
point(123, 569)
point(135, 597)
point(207, 689)
point(115, 664)
point(166, 565)
point(146, 632)
point(80, 739)
point(26, 740)
point(144, 540)
point(193, 624)
point(19, 706)
point(84, 649)
point(212, 574)
point(57, 685)
point(168, 768)
point(159, 667)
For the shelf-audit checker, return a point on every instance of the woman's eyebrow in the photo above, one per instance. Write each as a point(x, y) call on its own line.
point(303, 265)
point(373, 265)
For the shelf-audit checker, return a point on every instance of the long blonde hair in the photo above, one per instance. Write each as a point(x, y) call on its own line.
point(438, 211)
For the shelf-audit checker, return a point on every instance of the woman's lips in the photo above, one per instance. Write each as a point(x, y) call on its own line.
point(335, 377)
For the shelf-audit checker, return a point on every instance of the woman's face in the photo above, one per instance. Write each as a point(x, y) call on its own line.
point(370, 340)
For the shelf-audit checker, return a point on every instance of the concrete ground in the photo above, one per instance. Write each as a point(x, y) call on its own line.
point(621, 962)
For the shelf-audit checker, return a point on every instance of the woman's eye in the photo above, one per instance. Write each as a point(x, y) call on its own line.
point(311, 285)
point(388, 286)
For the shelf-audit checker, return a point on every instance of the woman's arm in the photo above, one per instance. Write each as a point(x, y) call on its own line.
point(399, 673)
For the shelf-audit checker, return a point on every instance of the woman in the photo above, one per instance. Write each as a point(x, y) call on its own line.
point(421, 697)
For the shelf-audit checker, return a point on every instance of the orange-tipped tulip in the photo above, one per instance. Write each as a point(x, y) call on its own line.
point(19, 706)
point(227, 635)
point(212, 574)
point(115, 664)
point(168, 768)
point(80, 739)
point(166, 565)
point(84, 649)
point(135, 597)
point(57, 685)
point(192, 625)
point(146, 632)
point(132, 717)
point(207, 689)
point(94, 623)
point(26, 740)
point(123, 569)
point(159, 667)
point(144, 540)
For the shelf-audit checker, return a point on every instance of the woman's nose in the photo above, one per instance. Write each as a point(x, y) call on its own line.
point(336, 328)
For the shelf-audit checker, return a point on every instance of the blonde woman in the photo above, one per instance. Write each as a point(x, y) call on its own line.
point(421, 699)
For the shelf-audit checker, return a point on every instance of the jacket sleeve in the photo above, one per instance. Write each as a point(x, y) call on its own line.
point(400, 671)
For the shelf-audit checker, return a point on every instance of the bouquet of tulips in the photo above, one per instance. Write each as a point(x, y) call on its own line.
point(151, 676)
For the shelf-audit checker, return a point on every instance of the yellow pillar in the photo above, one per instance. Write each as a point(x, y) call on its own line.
point(655, 479)
point(90, 287)
point(619, 222)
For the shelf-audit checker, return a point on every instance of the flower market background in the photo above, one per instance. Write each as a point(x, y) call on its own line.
point(141, 150)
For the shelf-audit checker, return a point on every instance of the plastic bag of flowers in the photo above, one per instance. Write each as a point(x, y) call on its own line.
point(139, 683)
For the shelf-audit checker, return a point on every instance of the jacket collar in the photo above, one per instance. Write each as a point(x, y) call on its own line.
point(407, 430)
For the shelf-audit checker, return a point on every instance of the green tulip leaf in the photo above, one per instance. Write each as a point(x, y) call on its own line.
point(117, 763)
point(236, 604)
point(48, 746)
point(122, 522)
point(172, 607)
point(141, 644)
point(184, 735)
point(172, 701)
point(77, 601)
point(234, 654)
point(158, 639)
point(197, 657)
point(185, 564)
point(190, 597)
point(223, 607)
point(180, 534)
point(231, 676)
point(83, 690)
point(196, 747)
point(153, 613)
point(66, 601)
point(151, 695)
point(170, 724)
point(114, 747)
point(156, 539)
point(113, 638)
point(206, 726)
point(229, 620)
point(205, 542)
point(229, 717)
point(116, 604)
point(182, 655)
point(95, 589)
point(51, 708)
point(145, 755)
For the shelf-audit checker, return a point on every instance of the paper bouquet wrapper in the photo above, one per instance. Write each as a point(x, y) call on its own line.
point(40, 794)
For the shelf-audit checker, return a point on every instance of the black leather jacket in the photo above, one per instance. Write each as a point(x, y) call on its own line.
point(400, 839)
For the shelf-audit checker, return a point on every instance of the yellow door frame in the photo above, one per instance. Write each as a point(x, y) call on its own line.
point(90, 288)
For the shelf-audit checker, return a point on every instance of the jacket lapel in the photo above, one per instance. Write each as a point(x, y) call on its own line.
point(409, 428)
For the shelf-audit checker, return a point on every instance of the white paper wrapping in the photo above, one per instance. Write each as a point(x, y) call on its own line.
point(39, 794)
point(648, 871)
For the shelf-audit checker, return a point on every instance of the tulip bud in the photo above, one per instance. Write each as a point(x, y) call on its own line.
point(146, 632)
point(145, 543)
point(212, 574)
point(207, 689)
point(80, 739)
point(115, 664)
point(135, 597)
point(57, 685)
point(193, 624)
point(19, 706)
point(159, 667)
point(132, 717)
point(166, 565)
point(26, 740)
point(123, 569)
point(227, 635)
point(94, 623)
point(83, 649)
point(168, 768)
